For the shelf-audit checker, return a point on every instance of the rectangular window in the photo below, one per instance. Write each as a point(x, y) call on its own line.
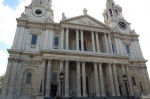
point(56, 41)
point(34, 39)
point(127, 49)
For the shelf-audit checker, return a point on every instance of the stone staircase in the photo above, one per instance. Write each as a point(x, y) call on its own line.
point(110, 97)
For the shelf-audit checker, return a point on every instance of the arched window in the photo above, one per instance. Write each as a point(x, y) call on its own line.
point(29, 78)
point(133, 81)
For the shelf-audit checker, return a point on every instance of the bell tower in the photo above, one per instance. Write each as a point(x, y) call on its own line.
point(113, 17)
point(39, 11)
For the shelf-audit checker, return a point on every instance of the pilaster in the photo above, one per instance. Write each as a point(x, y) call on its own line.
point(101, 80)
point(96, 80)
point(7, 77)
point(13, 78)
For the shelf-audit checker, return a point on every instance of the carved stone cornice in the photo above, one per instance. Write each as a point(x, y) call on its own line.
point(85, 27)
point(25, 22)
point(137, 68)
point(14, 60)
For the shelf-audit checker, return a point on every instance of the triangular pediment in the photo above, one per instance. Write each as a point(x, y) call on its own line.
point(85, 20)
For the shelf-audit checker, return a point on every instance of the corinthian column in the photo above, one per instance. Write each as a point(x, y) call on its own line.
point(84, 79)
point(106, 43)
point(116, 80)
point(101, 80)
point(67, 39)
point(93, 41)
point(78, 80)
point(82, 41)
point(112, 88)
point(48, 78)
point(96, 80)
point(77, 39)
point(62, 38)
point(110, 44)
point(61, 66)
point(97, 42)
point(42, 71)
point(61, 69)
point(66, 78)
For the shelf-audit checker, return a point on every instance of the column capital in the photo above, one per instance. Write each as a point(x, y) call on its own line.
point(114, 63)
point(110, 63)
point(67, 60)
point(95, 62)
point(92, 31)
point(61, 60)
point(83, 61)
point(77, 29)
point(125, 64)
point(78, 61)
point(50, 59)
point(100, 62)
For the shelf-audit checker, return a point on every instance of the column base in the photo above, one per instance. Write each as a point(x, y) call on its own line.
point(39, 97)
point(9, 97)
point(2, 97)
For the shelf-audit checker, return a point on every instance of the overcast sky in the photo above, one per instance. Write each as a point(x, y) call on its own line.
point(136, 12)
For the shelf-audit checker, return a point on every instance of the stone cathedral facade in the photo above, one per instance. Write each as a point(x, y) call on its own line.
point(92, 55)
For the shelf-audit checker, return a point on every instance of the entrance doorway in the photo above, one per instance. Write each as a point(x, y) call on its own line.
point(53, 90)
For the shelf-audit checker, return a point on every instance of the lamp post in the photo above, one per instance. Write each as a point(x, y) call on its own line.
point(125, 79)
point(61, 78)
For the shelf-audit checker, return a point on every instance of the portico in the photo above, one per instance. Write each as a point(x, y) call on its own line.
point(86, 40)
point(86, 78)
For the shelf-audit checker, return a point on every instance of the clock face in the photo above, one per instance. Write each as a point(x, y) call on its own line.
point(122, 25)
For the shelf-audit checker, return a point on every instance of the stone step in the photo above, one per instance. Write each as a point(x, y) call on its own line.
point(111, 97)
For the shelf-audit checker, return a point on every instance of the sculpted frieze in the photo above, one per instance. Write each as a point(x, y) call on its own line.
point(89, 28)
point(133, 68)
point(31, 63)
